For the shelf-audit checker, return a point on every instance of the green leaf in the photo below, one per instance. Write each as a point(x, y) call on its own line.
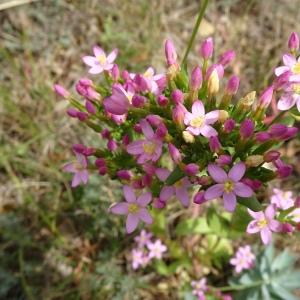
point(283, 293)
point(251, 203)
point(175, 175)
point(161, 267)
point(217, 223)
point(283, 261)
point(193, 226)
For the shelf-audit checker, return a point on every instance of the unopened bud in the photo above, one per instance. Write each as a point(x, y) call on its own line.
point(196, 79)
point(294, 42)
point(213, 83)
point(188, 137)
point(207, 48)
point(199, 198)
point(271, 156)
point(229, 125)
point(223, 115)
point(232, 85)
point(61, 91)
point(191, 169)
point(254, 160)
point(226, 58)
point(174, 153)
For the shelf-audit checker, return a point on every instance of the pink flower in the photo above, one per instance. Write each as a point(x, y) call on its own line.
point(291, 65)
point(143, 238)
point(282, 200)
point(153, 80)
point(199, 123)
point(229, 186)
point(290, 97)
point(243, 259)
point(100, 62)
point(120, 100)
point(79, 168)
point(139, 258)
point(179, 189)
point(199, 288)
point(264, 223)
point(134, 208)
point(148, 149)
point(156, 249)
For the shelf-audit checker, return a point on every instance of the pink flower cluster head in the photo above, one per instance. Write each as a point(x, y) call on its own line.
point(200, 288)
point(243, 259)
point(169, 135)
point(146, 250)
point(282, 199)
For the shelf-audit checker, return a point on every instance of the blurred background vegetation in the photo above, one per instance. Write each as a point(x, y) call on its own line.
point(56, 243)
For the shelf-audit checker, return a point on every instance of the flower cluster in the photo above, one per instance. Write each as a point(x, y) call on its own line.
point(243, 259)
point(221, 146)
point(146, 250)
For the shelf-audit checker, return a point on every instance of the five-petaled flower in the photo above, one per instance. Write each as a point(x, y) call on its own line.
point(156, 249)
point(135, 208)
point(229, 185)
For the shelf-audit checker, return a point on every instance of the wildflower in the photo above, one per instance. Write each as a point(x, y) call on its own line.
point(153, 80)
point(282, 199)
point(156, 249)
point(229, 125)
point(229, 186)
point(79, 168)
point(291, 65)
point(143, 239)
point(148, 149)
point(293, 42)
point(290, 97)
point(134, 208)
point(100, 62)
point(199, 288)
point(264, 223)
point(199, 123)
point(180, 188)
point(137, 257)
point(243, 259)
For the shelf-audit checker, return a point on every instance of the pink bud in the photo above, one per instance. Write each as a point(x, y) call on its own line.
point(191, 169)
point(146, 180)
point(178, 114)
point(149, 169)
point(207, 48)
point(290, 133)
point(177, 96)
point(112, 145)
point(141, 83)
point(278, 130)
point(271, 156)
point(219, 69)
point(137, 128)
point(90, 107)
point(61, 91)
point(79, 148)
point(226, 58)
point(199, 198)
point(125, 75)
point(287, 228)
point(72, 112)
point(170, 52)
point(224, 160)
point(103, 170)
point(262, 137)
point(162, 100)
point(138, 101)
point(115, 72)
point(100, 162)
point(196, 79)
point(297, 202)
point(266, 97)
point(232, 85)
point(283, 170)
point(124, 174)
point(204, 180)
point(158, 204)
point(255, 184)
point(105, 133)
point(174, 153)
point(161, 131)
point(154, 120)
point(82, 116)
point(293, 41)
point(137, 184)
point(229, 125)
point(89, 151)
point(247, 129)
point(214, 144)
point(125, 140)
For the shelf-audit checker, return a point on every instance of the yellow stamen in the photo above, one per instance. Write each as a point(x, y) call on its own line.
point(78, 166)
point(296, 68)
point(133, 208)
point(102, 59)
point(197, 122)
point(228, 186)
point(296, 88)
point(179, 183)
point(147, 74)
point(149, 148)
point(262, 223)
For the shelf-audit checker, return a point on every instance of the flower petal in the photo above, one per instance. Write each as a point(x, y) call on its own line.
point(112, 56)
point(129, 194)
point(217, 173)
point(144, 199)
point(96, 70)
point(198, 109)
point(256, 214)
point(242, 190)
point(208, 131)
point(253, 227)
point(289, 60)
point(135, 147)
point(120, 208)
point(69, 167)
point(212, 117)
point(84, 175)
point(275, 226)
point(145, 216)
point(90, 60)
point(280, 70)
point(98, 51)
point(183, 196)
point(194, 131)
point(132, 222)
point(162, 173)
point(76, 180)
point(270, 212)
point(298, 105)
point(266, 235)
point(286, 102)
point(166, 193)
point(147, 129)
point(229, 201)
point(237, 172)
point(214, 191)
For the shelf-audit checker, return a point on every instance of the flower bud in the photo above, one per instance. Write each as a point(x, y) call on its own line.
point(61, 91)
point(283, 170)
point(247, 129)
point(287, 228)
point(290, 133)
point(137, 128)
point(103, 170)
point(293, 42)
point(232, 85)
point(255, 184)
point(271, 156)
point(191, 169)
point(207, 48)
point(178, 114)
point(177, 96)
point(174, 153)
point(90, 107)
point(214, 144)
point(278, 130)
point(72, 112)
point(162, 100)
point(158, 204)
point(199, 198)
point(224, 160)
point(85, 89)
point(170, 52)
point(149, 169)
point(124, 174)
point(146, 180)
point(125, 140)
point(196, 79)
point(213, 83)
point(125, 75)
point(226, 58)
point(112, 145)
point(229, 125)
point(115, 72)
point(141, 83)
point(82, 116)
point(138, 101)
point(78, 148)
point(297, 202)
point(154, 120)
point(100, 162)
point(246, 103)
point(266, 97)
point(262, 137)
point(223, 115)
point(254, 160)
point(105, 133)
point(188, 137)
point(161, 131)
point(204, 180)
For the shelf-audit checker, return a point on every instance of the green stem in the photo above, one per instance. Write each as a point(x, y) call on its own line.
point(195, 30)
point(240, 287)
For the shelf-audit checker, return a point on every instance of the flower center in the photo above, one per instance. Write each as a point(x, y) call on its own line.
point(197, 122)
point(178, 183)
point(133, 208)
point(296, 68)
point(228, 186)
point(262, 223)
point(78, 166)
point(102, 59)
point(147, 74)
point(296, 88)
point(149, 147)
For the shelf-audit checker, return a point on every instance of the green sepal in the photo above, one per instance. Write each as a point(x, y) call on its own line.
point(175, 175)
point(251, 203)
